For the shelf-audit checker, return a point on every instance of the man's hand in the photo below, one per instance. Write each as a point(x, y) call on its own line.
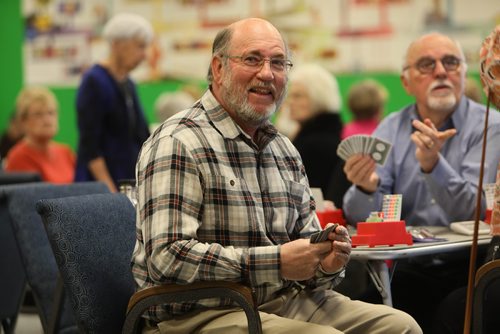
point(300, 259)
point(341, 246)
point(429, 142)
point(360, 170)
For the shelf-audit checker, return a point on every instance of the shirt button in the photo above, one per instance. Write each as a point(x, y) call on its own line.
point(433, 201)
point(232, 182)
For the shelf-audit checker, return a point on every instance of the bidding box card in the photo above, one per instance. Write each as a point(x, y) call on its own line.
point(391, 207)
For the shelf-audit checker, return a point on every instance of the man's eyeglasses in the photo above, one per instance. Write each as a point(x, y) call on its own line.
point(427, 65)
point(255, 62)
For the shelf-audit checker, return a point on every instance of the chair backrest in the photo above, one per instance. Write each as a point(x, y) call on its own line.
point(93, 238)
point(13, 280)
point(486, 298)
point(36, 254)
point(18, 177)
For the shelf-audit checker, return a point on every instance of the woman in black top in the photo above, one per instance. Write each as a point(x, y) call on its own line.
point(314, 102)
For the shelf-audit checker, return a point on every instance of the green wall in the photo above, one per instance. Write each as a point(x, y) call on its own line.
point(148, 92)
point(11, 71)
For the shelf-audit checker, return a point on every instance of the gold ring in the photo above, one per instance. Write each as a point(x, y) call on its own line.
point(430, 145)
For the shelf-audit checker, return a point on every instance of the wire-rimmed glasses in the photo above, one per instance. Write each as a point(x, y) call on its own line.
point(255, 62)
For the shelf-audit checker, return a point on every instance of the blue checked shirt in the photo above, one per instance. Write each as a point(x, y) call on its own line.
point(213, 205)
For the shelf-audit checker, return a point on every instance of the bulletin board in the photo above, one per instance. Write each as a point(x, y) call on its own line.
point(62, 37)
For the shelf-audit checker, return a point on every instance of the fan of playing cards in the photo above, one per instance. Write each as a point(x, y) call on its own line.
point(362, 144)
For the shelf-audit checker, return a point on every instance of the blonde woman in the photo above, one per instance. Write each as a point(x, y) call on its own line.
point(37, 109)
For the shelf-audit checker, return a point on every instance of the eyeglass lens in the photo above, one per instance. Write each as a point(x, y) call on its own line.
point(427, 64)
point(257, 61)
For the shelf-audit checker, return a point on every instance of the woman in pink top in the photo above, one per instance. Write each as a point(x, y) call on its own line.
point(366, 101)
point(37, 152)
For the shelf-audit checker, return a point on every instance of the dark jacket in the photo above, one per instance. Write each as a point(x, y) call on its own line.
point(317, 143)
point(107, 128)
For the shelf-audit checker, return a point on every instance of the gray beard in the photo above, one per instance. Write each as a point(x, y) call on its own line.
point(236, 101)
point(442, 103)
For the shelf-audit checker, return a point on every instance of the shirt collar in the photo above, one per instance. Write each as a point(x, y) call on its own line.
point(457, 117)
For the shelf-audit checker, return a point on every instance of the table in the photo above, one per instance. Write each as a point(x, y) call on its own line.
point(375, 257)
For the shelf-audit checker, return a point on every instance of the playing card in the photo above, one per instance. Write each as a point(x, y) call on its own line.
point(342, 152)
point(322, 235)
point(378, 149)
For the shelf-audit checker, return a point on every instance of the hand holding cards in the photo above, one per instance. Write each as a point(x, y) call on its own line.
point(377, 148)
point(322, 235)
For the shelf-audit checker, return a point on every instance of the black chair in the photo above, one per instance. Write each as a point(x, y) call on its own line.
point(18, 177)
point(38, 263)
point(486, 294)
point(13, 279)
point(97, 274)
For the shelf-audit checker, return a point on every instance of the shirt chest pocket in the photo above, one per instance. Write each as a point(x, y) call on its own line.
point(245, 213)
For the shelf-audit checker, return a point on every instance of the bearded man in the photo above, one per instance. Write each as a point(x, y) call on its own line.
point(434, 163)
point(223, 197)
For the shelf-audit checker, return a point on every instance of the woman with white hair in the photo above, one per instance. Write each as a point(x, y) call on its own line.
point(111, 121)
point(314, 102)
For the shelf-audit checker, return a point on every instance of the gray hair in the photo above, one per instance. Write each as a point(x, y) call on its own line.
point(221, 45)
point(321, 86)
point(127, 26)
point(170, 103)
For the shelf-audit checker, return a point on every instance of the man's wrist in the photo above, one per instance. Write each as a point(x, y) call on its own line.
point(365, 191)
point(326, 273)
point(370, 190)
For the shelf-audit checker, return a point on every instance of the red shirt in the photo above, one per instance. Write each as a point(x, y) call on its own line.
point(365, 127)
point(55, 165)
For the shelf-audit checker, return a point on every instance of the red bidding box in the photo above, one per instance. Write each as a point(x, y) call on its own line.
point(381, 233)
point(488, 216)
point(330, 216)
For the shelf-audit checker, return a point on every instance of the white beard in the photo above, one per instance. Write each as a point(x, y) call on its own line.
point(442, 103)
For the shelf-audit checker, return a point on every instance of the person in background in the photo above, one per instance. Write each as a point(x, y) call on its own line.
point(284, 124)
point(366, 101)
point(314, 102)
point(37, 110)
point(223, 196)
point(10, 137)
point(111, 122)
point(169, 103)
point(433, 163)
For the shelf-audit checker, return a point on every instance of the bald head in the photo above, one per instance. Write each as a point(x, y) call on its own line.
point(253, 26)
point(239, 32)
point(428, 43)
point(434, 73)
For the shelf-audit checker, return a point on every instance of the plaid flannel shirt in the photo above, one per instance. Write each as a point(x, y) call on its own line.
point(215, 205)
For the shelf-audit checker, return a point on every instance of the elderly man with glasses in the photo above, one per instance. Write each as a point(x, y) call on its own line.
point(434, 162)
point(223, 197)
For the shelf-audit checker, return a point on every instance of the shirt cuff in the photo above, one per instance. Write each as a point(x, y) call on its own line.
point(320, 272)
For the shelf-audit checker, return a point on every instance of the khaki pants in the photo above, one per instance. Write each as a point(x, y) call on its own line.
point(297, 312)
